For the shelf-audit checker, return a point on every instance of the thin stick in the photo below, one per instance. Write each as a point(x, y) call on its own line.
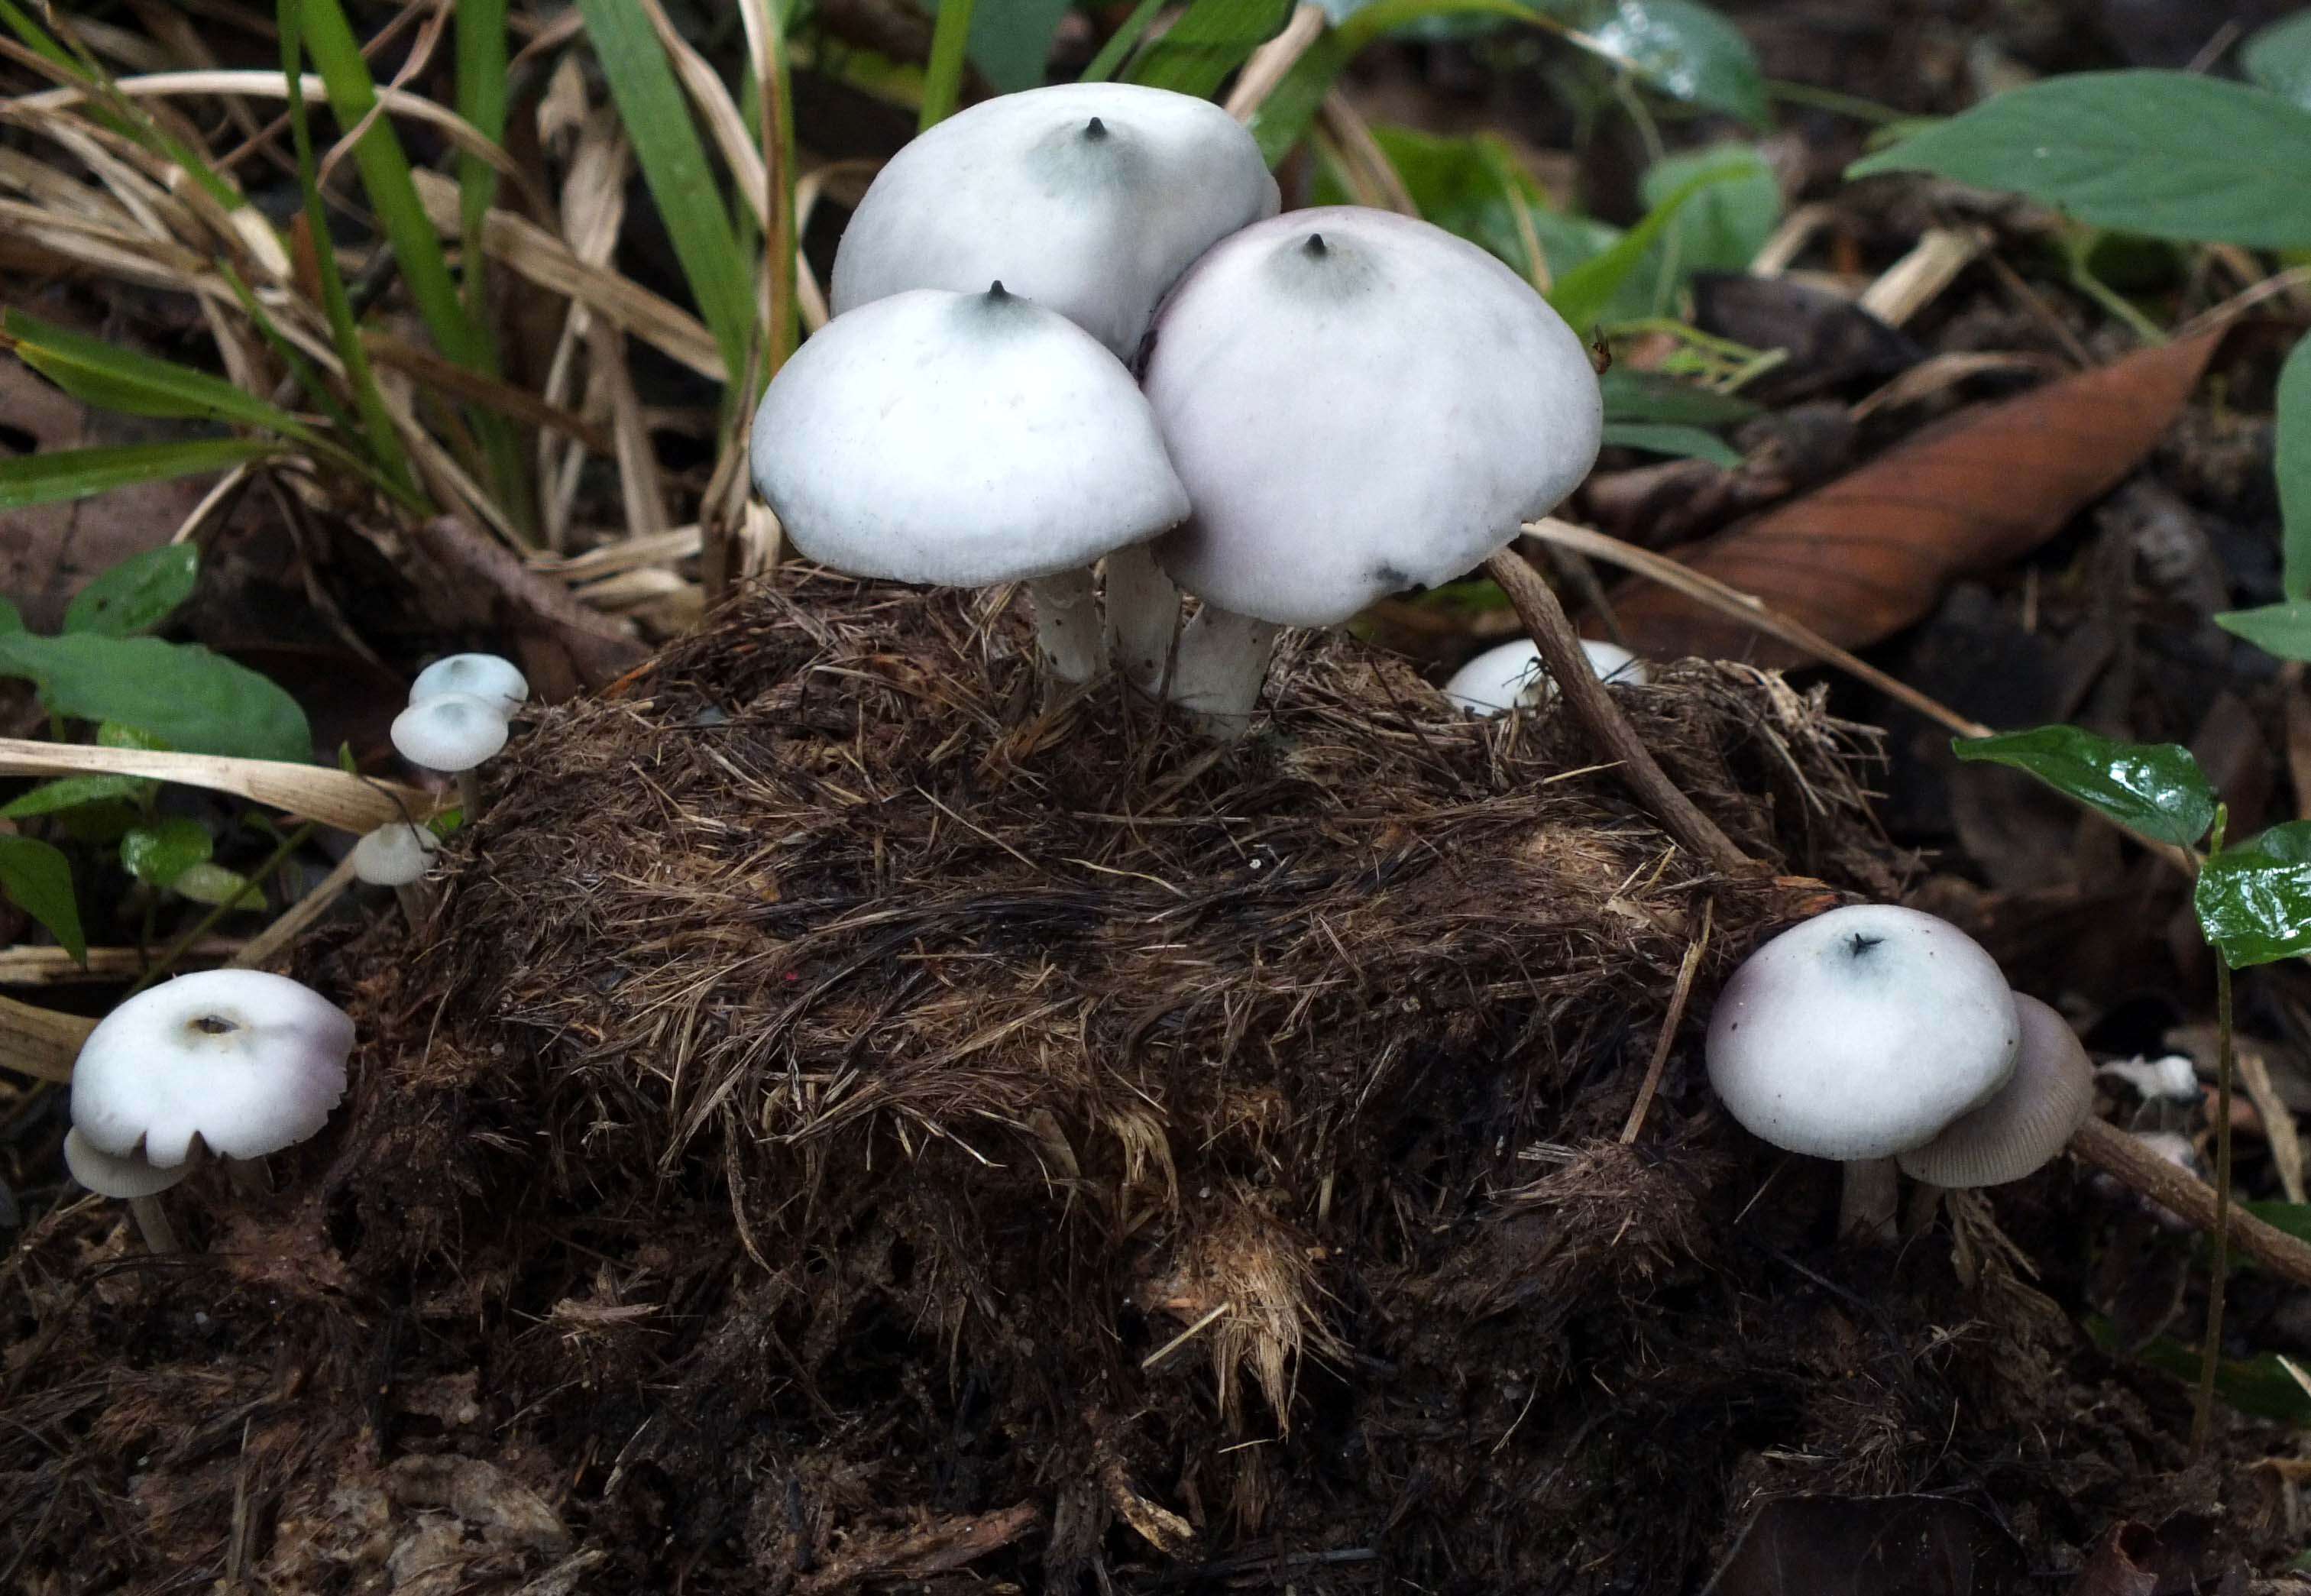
point(2141, 1170)
point(2202, 1418)
point(1608, 729)
point(1184, 1337)
point(1686, 971)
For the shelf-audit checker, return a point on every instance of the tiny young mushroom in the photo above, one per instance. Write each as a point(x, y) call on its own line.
point(241, 1062)
point(1090, 199)
point(490, 677)
point(398, 855)
point(2022, 1129)
point(452, 733)
point(1358, 403)
point(966, 439)
point(1861, 1034)
point(1513, 677)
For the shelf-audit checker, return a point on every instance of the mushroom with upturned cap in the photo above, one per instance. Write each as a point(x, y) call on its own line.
point(1358, 403)
point(965, 439)
point(1861, 1034)
point(239, 1062)
point(1513, 677)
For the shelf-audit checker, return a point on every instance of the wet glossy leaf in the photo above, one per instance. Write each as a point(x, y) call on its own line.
point(2156, 788)
point(157, 854)
point(137, 594)
point(1681, 442)
point(193, 701)
point(37, 879)
point(1686, 50)
point(2158, 153)
point(2279, 57)
point(2255, 899)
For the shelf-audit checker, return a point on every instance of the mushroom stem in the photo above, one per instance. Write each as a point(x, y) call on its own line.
point(469, 795)
point(1925, 1206)
point(154, 1225)
point(1870, 1199)
point(1142, 613)
point(1067, 623)
point(1223, 662)
point(417, 902)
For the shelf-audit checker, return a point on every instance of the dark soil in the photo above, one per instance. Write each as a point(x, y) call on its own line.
point(857, 1129)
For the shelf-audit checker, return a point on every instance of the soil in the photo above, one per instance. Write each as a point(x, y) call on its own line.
point(855, 1127)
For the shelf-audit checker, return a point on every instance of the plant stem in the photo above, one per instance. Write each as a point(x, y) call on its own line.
point(2211, 1355)
point(2146, 1173)
point(1609, 731)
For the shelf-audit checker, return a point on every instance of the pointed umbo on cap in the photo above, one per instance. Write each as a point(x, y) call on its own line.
point(248, 1062)
point(1861, 1032)
point(1359, 403)
point(490, 677)
point(960, 439)
point(1088, 199)
point(451, 732)
point(2032, 1118)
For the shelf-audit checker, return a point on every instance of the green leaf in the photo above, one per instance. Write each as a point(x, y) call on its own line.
point(2279, 57)
point(2156, 788)
point(76, 473)
point(192, 699)
point(1660, 438)
point(137, 594)
point(205, 882)
point(482, 100)
point(2294, 468)
point(73, 793)
point(1645, 397)
point(1581, 295)
point(1472, 187)
point(37, 879)
point(2260, 1385)
point(157, 854)
point(943, 74)
point(1725, 224)
point(1686, 51)
point(1121, 42)
point(112, 378)
point(1211, 39)
point(2293, 1217)
point(673, 160)
point(2283, 630)
point(12, 619)
point(2160, 152)
point(2255, 899)
point(1010, 41)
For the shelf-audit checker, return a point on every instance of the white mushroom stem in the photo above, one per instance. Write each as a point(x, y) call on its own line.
point(153, 1224)
point(416, 905)
point(1871, 1200)
point(1142, 613)
point(1067, 623)
point(469, 795)
point(1222, 666)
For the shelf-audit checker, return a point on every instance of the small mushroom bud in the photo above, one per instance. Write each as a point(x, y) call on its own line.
point(1512, 676)
point(398, 856)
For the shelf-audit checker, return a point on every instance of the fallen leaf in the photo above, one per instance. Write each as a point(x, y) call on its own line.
point(1871, 1546)
point(1868, 554)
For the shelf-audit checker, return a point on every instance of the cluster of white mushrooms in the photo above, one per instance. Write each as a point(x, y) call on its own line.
point(459, 716)
point(1888, 1040)
point(1320, 408)
point(239, 1063)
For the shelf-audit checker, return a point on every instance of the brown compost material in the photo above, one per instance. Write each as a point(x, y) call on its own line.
point(857, 1126)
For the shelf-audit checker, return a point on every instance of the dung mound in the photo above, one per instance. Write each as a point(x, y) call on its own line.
point(853, 1126)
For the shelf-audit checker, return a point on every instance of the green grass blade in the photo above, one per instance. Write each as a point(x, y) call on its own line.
point(943, 80)
point(673, 160)
point(1118, 45)
point(78, 472)
point(1211, 39)
point(114, 379)
point(482, 96)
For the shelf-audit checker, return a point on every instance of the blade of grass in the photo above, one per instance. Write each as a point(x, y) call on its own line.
point(1211, 39)
point(674, 165)
point(79, 472)
point(115, 379)
point(1120, 43)
point(943, 79)
point(482, 96)
point(767, 46)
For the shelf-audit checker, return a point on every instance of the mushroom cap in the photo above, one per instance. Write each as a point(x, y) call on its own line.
point(396, 854)
point(1359, 403)
point(1511, 676)
point(491, 677)
point(2029, 1119)
point(1092, 222)
point(108, 1175)
point(962, 440)
point(248, 1061)
point(1862, 1034)
point(449, 731)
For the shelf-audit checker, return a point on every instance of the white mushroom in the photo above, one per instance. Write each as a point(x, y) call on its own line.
point(239, 1062)
point(966, 439)
point(1861, 1034)
point(398, 856)
point(130, 1179)
point(1358, 403)
point(452, 733)
point(1512, 676)
point(490, 677)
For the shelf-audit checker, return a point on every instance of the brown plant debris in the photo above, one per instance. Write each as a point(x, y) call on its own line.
point(858, 1128)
